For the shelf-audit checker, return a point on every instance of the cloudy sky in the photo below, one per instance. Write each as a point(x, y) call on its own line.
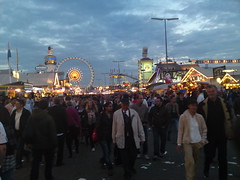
point(102, 31)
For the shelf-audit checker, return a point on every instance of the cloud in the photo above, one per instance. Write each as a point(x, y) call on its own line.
point(105, 31)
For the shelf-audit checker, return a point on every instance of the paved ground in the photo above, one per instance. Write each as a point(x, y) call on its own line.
point(86, 165)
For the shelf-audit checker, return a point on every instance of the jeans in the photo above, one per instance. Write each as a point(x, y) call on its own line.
point(90, 132)
point(172, 126)
point(145, 144)
point(72, 135)
point(37, 157)
point(106, 146)
point(162, 132)
point(7, 175)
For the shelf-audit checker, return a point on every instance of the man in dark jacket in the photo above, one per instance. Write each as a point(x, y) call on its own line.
point(182, 103)
point(19, 120)
point(159, 120)
point(104, 134)
point(219, 125)
point(58, 113)
point(44, 140)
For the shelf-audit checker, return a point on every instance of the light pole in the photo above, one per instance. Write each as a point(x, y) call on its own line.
point(165, 26)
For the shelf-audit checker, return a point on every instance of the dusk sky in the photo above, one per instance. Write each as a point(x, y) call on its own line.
point(102, 31)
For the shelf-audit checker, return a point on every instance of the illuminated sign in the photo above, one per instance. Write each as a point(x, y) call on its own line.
point(229, 70)
point(15, 74)
point(147, 66)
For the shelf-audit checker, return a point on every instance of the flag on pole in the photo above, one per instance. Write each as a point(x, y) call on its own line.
point(9, 54)
point(9, 71)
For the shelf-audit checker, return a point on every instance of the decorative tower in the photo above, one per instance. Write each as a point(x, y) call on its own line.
point(145, 68)
point(50, 60)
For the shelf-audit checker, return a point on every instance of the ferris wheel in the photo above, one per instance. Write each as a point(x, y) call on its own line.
point(78, 70)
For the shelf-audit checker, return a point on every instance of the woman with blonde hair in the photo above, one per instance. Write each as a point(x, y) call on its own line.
point(92, 113)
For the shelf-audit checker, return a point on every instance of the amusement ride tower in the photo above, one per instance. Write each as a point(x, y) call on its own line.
point(50, 60)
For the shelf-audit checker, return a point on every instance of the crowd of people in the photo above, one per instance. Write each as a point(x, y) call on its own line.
point(120, 123)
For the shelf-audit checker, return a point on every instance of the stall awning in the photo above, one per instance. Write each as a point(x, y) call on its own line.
point(19, 84)
point(163, 86)
point(160, 87)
